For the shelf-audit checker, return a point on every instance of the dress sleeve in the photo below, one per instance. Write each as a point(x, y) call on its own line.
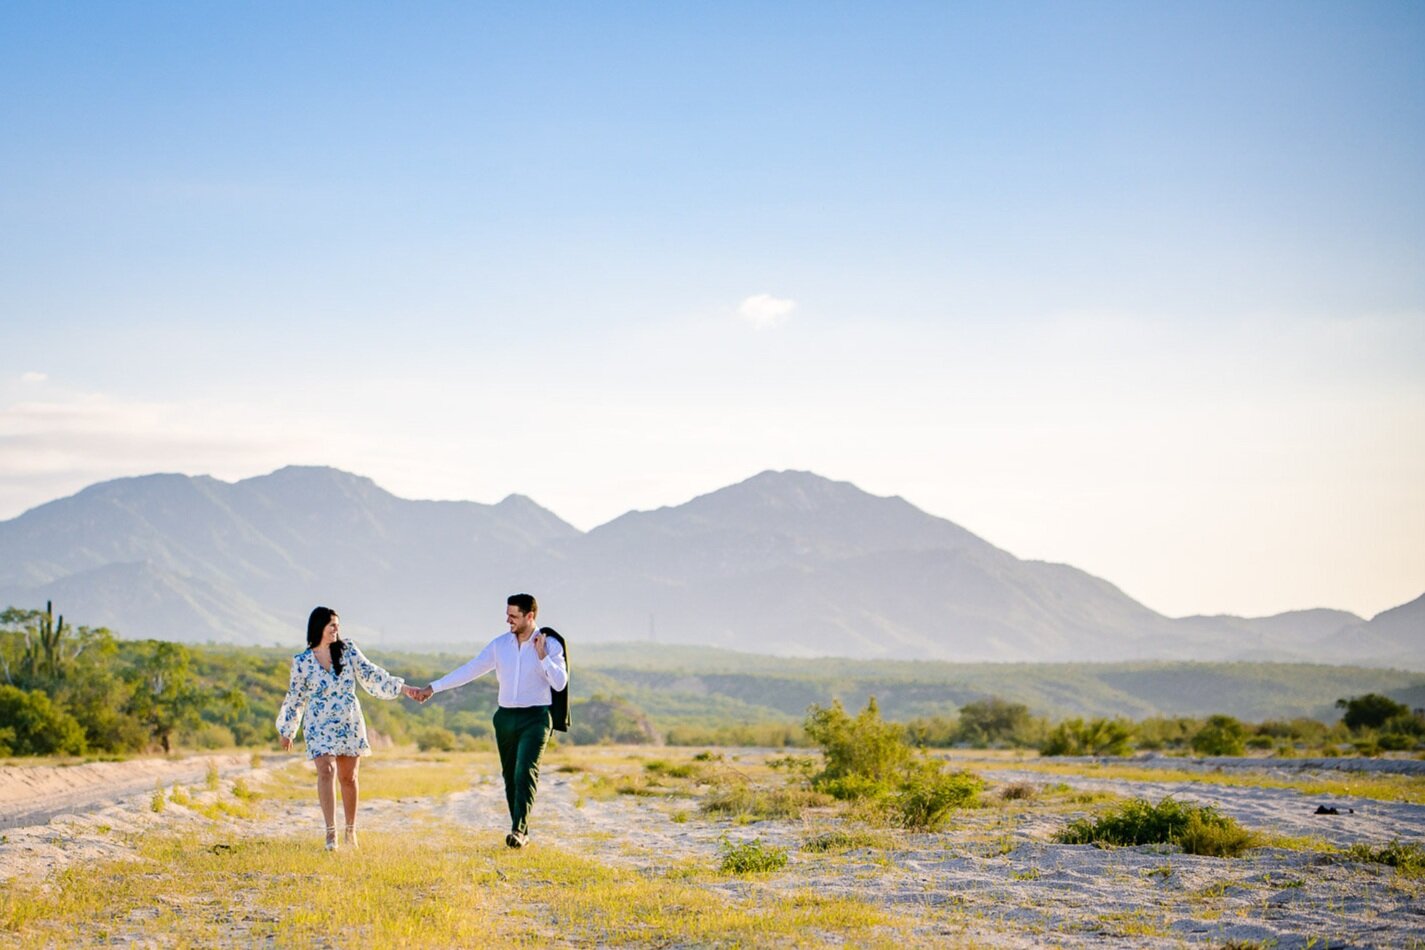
point(289, 717)
point(372, 678)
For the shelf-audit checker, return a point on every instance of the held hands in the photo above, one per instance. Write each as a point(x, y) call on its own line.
point(420, 694)
point(286, 744)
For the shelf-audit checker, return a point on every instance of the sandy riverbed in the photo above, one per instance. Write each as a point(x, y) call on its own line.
point(995, 877)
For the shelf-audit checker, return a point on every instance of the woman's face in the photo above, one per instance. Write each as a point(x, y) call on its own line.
point(332, 632)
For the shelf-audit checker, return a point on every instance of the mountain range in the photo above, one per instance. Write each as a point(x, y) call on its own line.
point(786, 563)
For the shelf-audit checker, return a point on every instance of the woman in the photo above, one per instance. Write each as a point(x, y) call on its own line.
point(324, 678)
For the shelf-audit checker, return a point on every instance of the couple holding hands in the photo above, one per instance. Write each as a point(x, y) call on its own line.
point(528, 662)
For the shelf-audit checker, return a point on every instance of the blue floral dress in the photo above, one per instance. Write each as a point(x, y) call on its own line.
point(335, 725)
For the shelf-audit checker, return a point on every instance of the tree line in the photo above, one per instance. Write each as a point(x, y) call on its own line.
point(67, 690)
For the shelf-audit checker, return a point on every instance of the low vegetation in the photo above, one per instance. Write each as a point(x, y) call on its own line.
point(71, 691)
point(869, 761)
point(1408, 859)
point(1197, 829)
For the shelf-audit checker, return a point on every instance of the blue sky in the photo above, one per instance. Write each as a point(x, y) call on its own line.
point(1138, 287)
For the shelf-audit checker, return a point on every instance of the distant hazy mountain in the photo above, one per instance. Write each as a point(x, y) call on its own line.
point(787, 563)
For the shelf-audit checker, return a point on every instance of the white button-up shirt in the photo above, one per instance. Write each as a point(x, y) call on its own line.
point(525, 679)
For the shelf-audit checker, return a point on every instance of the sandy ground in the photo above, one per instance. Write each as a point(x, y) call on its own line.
point(993, 878)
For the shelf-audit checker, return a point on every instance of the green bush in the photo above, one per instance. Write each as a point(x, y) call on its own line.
point(604, 719)
point(1221, 735)
point(1370, 711)
point(998, 722)
point(1095, 737)
point(435, 739)
point(1164, 732)
point(837, 841)
point(36, 726)
point(750, 857)
point(861, 756)
point(1197, 829)
point(927, 794)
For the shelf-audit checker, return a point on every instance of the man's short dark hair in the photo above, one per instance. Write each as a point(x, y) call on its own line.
point(525, 602)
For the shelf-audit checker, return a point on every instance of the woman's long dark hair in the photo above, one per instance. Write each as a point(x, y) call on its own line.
point(316, 623)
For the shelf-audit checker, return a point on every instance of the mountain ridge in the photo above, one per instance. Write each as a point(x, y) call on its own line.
point(787, 563)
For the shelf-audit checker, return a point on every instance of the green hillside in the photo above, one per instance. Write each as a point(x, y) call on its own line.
point(676, 682)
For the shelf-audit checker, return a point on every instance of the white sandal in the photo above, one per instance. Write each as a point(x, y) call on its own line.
point(351, 836)
point(331, 838)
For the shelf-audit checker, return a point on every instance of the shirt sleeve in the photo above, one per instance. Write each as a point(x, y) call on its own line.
point(478, 666)
point(289, 717)
point(555, 671)
point(372, 678)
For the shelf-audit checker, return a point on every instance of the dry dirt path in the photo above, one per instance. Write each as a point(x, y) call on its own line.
point(993, 878)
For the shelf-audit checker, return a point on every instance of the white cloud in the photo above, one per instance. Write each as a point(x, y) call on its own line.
point(764, 311)
point(33, 377)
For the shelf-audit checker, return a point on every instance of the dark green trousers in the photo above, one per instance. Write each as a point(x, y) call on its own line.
point(521, 735)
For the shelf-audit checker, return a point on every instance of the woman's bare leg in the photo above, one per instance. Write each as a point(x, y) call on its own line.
point(346, 767)
point(326, 793)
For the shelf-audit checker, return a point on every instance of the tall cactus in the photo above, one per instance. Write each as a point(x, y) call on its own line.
point(43, 659)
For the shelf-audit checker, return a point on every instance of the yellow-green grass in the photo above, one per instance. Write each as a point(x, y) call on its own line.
point(1390, 788)
point(380, 777)
point(437, 889)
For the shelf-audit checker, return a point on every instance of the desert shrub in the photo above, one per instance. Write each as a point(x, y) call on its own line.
point(1165, 732)
point(997, 722)
point(932, 732)
point(838, 840)
point(1397, 741)
point(1197, 829)
point(435, 739)
point(604, 719)
point(759, 802)
point(861, 756)
point(1017, 791)
point(1300, 729)
point(671, 770)
point(1095, 737)
point(1368, 746)
point(802, 766)
point(1370, 711)
point(1220, 735)
point(36, 726)
point(750, 857)
point(928, 793)
point(1407, 859)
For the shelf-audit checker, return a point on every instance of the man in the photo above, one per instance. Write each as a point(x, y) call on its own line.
point(529, 668)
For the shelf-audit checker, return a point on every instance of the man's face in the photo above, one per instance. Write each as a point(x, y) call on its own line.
point(519, 621)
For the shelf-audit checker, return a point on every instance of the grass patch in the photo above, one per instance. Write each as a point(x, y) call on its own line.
point(423, 778)
point(839, 841)
point(1408, 859)
point(760, 802)
point(1385, 788)
point(671, 770)
point(1197, 829)
point(750, 857)
point(1018, 791)
point(399, 891)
